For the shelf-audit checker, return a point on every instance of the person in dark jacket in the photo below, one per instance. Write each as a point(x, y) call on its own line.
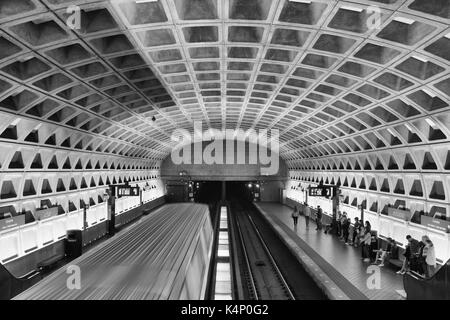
point(338, 224)
point(295, 215)
point(412, 249)
point(319, 218)
point(345, 228)
point(356, 231)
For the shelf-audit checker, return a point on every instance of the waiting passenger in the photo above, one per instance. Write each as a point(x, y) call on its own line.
point(412, 248)
point(345, 227)
point(421, 263)
point(319, 218)
point(338, 223)
point(295, 215)
point(307, 212)
point(430, 258)
point(382, 254)
point(365, 243)
point(367, 226)
point(356, 231)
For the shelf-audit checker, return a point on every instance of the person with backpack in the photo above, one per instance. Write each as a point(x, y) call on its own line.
point(295, 215)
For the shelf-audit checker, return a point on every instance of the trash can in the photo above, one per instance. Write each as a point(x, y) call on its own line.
point(74, 243)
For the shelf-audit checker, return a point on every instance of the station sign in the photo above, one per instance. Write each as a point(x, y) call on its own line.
point(438, 224)
point(127, 191)
point(323, 191)
point(400, 214)
point(12, 222)
point(42, 214)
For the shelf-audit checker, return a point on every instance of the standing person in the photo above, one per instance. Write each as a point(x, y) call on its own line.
point(295, 215)
point(430, 258)
point(319, 218)
point(338, 222)
point(345, 228)
point(343, 222)
point(367, 227)
point(307, 212)
point(410, 251)
point(365, 242)
point(421, 263)
point(356, 231)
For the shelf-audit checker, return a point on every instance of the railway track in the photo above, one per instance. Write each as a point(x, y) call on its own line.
point(260, 273)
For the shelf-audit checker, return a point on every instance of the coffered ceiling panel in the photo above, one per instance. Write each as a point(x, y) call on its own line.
point(332, 76)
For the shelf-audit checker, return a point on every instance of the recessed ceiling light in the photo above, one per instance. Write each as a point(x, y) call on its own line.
point(404, 20)
point(25, 58)
point(428, 92)
point(391, 132)
point(430, 122)
point(420, 58)
point(352, 8)
point(145, 1)
point(300, 1)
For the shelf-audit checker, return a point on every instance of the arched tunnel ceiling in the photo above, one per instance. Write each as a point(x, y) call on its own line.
point(319, 71)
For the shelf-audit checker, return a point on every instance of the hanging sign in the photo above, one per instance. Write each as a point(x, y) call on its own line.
point(324, 191)
point(12, 222)
point(127, 191)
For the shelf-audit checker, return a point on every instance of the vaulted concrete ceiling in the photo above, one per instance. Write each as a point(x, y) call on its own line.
point(320, 71)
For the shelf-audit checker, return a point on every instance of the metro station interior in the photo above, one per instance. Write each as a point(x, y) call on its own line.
point(136, 138)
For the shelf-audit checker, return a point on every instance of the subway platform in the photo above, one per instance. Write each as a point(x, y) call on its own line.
point(335, 266)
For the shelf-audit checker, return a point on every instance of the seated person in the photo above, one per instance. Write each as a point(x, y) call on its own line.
point(393, 254)
point(330, 227)
point(383, 253)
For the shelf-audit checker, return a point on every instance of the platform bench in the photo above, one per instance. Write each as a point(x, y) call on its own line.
point(399, 261)
point(49, 262)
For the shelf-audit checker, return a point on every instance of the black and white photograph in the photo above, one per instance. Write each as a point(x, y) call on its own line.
point(225, 157)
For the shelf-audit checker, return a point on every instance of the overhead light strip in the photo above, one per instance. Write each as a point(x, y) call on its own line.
point(145, 1)
point(223, 287)
point(352, 8)
point(431, 122)
point(404, 20)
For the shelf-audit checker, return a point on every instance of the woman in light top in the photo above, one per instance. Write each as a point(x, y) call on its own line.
point(430, 258)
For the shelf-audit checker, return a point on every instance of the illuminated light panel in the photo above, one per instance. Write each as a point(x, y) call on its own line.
point(404, 20)
point(428, 92)
point(431, 122)
point(352, 8)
